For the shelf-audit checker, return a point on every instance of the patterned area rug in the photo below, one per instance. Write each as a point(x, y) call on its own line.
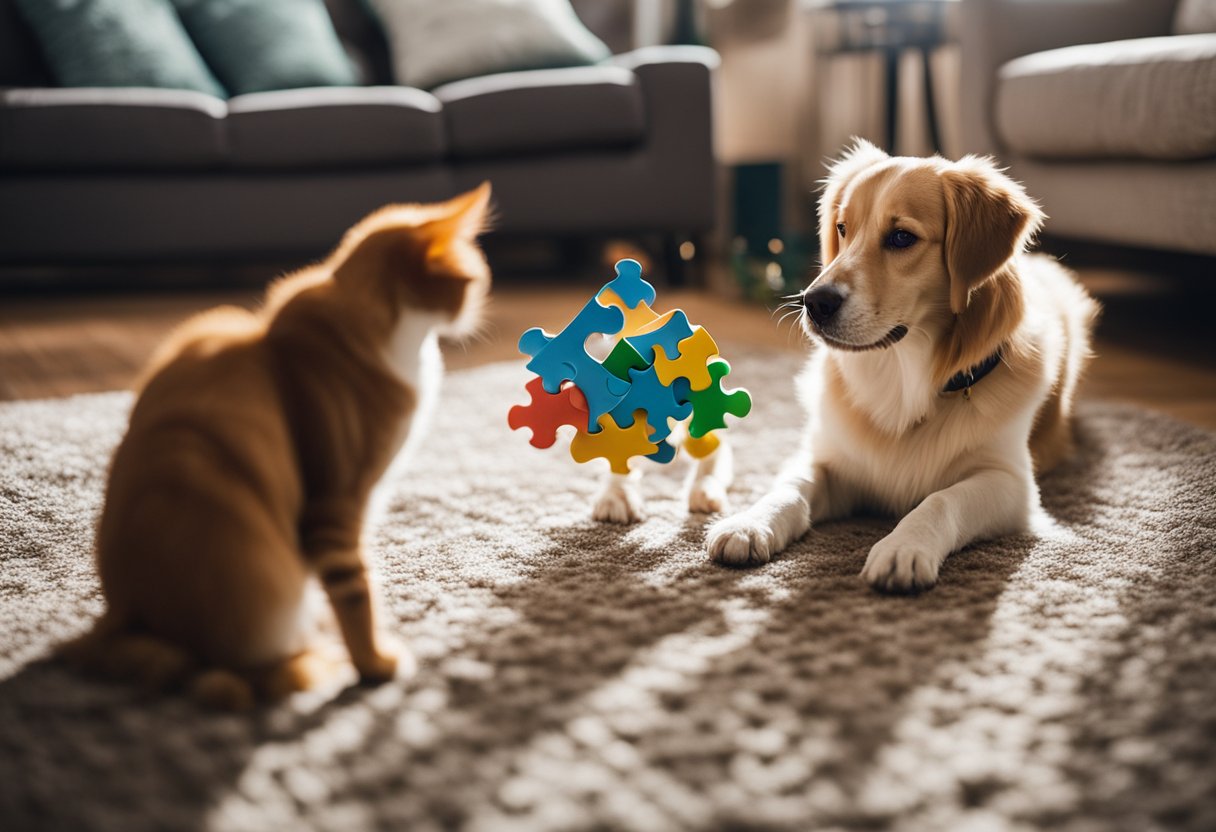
point(578, 676)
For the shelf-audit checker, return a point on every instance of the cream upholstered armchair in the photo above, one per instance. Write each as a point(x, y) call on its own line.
point(1105, 109)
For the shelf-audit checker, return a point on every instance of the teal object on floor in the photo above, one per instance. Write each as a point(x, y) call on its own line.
point(118, 43)
point(263, 45)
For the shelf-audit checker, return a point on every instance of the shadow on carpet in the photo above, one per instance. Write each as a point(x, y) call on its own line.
point(577, 676)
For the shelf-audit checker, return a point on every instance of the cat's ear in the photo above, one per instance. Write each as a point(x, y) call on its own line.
point(405, 243)
point(461, 219)
point(455, 277)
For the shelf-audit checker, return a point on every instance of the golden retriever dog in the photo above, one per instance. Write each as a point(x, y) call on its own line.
point(945, 371)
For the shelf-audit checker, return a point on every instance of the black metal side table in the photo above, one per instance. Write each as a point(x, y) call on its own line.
point(890, 27)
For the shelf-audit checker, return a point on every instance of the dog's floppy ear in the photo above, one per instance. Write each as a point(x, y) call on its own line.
point(859, 156)
point(989, 219)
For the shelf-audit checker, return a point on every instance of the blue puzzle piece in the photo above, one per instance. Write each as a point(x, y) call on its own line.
point(665, 454)
point(629, 285)
point(563, 357)
point(669, 335)
point(533, 341)
point(681, 388)
point(648, 394)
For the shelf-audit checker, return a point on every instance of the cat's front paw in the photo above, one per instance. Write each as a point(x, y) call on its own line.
point(745, 539)
point(617, 503)
point(389, 661)
point(902, 564)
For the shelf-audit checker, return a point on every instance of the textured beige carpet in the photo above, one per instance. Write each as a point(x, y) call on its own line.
point(576, 676)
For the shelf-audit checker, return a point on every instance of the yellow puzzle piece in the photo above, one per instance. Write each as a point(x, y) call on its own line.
point(695, 351)
point(613, 443)
point(636, 319)
point(699, 448)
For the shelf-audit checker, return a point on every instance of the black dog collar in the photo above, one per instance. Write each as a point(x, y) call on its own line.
point(966, 379)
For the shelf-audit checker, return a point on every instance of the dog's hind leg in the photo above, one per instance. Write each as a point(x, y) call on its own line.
point(710, 477)
point(619, 501)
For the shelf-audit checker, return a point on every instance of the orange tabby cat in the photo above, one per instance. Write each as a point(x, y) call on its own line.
point(251, 457)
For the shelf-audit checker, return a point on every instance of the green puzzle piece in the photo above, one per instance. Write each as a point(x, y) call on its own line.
point(709, 405)
point(622, 358)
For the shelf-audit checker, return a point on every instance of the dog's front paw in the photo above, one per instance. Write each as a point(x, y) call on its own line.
point(742, 540)
point(707, 496)
point(896, 565)
point(617, 503)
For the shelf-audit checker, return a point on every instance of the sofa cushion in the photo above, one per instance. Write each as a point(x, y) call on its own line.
point(110, 128)
point(1194, 16)
point(1149, 98)
point(326, 126)
point(543, 110)
point(1168, 206)
point(363, 40)
point(21, 63)
point(433, 43)
point(118, 43)
point(260, 45)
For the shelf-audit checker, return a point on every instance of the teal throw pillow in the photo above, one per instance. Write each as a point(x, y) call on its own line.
point(260, 45)
point(117, 43)
point(437, 41)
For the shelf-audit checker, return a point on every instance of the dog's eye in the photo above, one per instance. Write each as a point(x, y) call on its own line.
point(900, 238)
point(840, 228)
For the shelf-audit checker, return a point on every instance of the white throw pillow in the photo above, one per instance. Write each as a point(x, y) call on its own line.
point(1195, 17)
point(437, 41)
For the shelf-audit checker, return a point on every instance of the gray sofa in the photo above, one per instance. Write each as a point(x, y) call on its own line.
point(126, 175)
point(1106, 115)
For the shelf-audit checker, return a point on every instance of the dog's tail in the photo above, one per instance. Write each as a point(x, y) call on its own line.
point(114, 651)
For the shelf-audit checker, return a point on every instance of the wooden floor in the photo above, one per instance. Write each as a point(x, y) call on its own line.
point(1156, 345)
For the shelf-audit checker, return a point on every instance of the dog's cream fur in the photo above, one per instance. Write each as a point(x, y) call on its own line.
point(620, 501)
point(881, 434)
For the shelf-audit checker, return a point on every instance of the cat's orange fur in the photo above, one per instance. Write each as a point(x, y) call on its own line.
point(251, 455)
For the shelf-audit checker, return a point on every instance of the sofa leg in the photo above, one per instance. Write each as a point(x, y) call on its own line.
point(684, 256)
point(580, 255)
point(678, 269)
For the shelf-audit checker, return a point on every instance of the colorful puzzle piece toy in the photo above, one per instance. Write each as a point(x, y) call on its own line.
point(613, 443)
point(665, 454)
point(622, 359)
point(657, 403)
point(661, 369)
point(548, 411)
point(689, 362)
point(563, 357)
point(629, 285)
point(667, 332)
point(631, 294)
point(712, 403)
point(637, 318)
point(701, 447)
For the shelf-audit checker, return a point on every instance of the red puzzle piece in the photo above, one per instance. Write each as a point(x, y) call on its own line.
point(549, 411)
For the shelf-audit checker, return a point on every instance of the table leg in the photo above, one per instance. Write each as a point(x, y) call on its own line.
point(930, 102)
point(891, 85)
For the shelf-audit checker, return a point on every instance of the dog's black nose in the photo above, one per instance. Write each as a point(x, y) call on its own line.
point(822, 303)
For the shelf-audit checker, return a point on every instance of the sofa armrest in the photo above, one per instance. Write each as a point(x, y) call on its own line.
point(677, 89)
point(996, 31)
point(664, 55)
